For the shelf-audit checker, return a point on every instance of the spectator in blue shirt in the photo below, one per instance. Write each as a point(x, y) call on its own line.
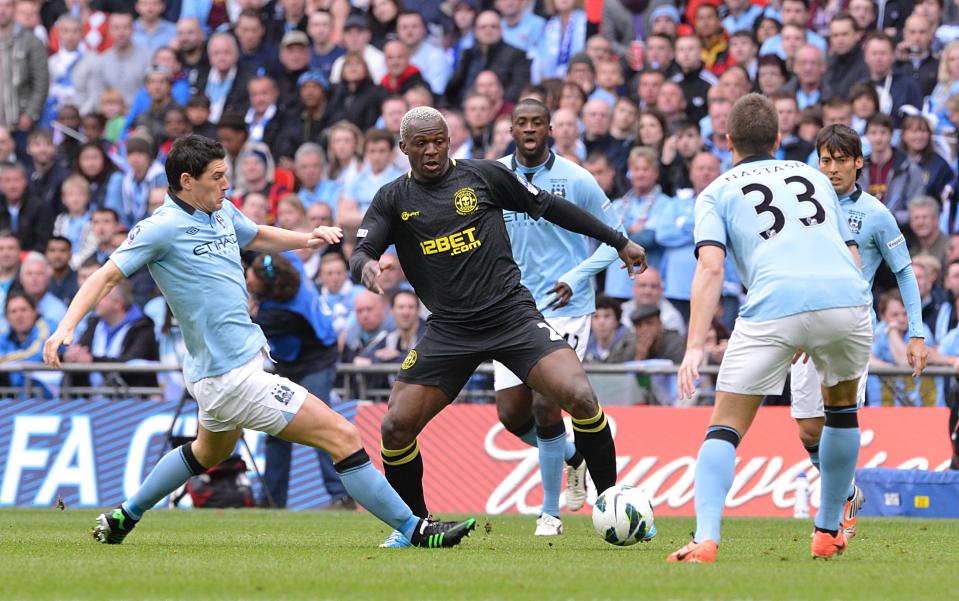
point(151, 30)
point(324, 51)
point(521, 27)
point(23, 343)
point(377, 171)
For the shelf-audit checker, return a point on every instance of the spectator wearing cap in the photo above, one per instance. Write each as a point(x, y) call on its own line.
point(190, 44)
point(425, 56)
point(741, 15)
point(264, 119)
point(123, 65)
point(666, 22)
point(653, 341)
point(491, 53)
point(21, 212)
point(151, 30)
point(625, 20)
point(225, 84)
point(313, 116)
point(563, 36)
point(794, 12)
point(694, 79)
point(158, 82)
point(356, 40)
point(400, 74)
point(845, 65)
point(128, 191)
point(255, 53)
point(324, 50)
point(294, 62)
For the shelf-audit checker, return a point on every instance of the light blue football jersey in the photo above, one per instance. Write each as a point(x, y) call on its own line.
point(547, 253)
point(781, 222)
point(194, 257)
point(875, 230)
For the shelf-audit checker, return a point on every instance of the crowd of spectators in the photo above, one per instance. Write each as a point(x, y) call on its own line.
point(307, 98)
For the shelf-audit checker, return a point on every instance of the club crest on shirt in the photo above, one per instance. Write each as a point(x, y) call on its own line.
point(410, 359)
point(558, 187)
point(855, 221)
point(464, 201)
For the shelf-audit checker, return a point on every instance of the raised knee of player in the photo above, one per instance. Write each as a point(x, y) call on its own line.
point(396, 431)
point(579, 398)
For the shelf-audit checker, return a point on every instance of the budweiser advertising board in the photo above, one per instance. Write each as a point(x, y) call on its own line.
point(473, 465)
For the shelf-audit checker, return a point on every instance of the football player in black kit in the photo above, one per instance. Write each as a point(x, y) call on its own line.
point(446, 219)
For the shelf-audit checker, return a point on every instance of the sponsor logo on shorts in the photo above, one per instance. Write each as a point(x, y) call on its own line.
point(455, 244)
point(410, 359)
point(464, 201)
point(894, 243)
point(282, 394)
point(405, 215)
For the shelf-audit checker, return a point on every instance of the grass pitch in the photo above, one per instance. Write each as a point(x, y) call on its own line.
point(254, 554)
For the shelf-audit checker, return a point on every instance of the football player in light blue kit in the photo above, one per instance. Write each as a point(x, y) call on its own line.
point(878, 238)
point(556, 266)
point(191, 245)
point(781, 222)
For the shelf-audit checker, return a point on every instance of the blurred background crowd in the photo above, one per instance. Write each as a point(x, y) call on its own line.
point(307, 98)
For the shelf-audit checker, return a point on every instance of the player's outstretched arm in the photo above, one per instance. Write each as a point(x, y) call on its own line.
point(271, 239)
point(704, 298)
point(96, 287)
point(916, 352)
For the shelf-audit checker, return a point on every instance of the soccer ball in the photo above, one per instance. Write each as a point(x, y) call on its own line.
point(623, 515)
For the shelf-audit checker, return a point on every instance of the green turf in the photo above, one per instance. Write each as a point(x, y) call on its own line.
point(253, 554)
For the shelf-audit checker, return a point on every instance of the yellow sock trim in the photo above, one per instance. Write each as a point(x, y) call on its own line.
point(401, 456)
point(590, 430)
point(590, 420)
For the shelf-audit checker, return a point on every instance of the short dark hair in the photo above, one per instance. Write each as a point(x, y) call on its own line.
point(532, 102)
point(685, 124)
point(40, 132)
point(411, 13)
point(375, 134)
point(877, 36)
point(116, 216)
point(745, 33)
point(19, 293)
point(608, 302)
point(843, 16)
point(60, 239)
point(191, 154)
point(400, 293)
point(753, 125)
point(839, 140)
point(836, 102)
point(882, 120)
point(281, 280)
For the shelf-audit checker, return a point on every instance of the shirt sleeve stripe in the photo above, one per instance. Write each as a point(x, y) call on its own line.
point(709, 243)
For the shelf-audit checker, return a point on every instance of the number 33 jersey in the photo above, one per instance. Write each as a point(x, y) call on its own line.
point(781, 223)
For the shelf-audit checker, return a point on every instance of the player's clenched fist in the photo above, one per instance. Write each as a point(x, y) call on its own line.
point(634, 258)
point(372, 271)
